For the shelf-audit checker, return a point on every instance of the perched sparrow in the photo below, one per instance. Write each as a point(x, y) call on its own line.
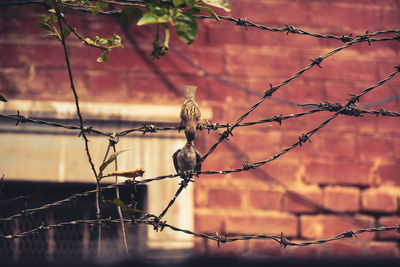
point(190, 113)
point(186, 159)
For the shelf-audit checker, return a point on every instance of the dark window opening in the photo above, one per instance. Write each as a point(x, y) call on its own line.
point(70, 243)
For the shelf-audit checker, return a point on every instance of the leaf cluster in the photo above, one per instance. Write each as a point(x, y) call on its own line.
point(177, 14)
point(107, 44)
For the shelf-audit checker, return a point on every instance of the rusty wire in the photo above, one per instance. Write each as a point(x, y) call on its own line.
point(158, 225)
point(348, 109)
point(353, 110)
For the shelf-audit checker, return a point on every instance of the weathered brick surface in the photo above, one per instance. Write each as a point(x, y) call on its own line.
point(342, 199)
point(381, 200)
point(346, 168)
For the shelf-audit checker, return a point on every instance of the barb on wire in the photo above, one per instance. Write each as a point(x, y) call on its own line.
point(269, 92)
point(82, 128)
point(306, 137)
point(158, 225)
point(352, 110)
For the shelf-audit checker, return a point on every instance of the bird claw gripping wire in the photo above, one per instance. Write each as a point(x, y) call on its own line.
point(187, 176)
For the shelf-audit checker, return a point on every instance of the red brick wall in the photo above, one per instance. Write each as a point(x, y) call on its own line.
point(351, 167)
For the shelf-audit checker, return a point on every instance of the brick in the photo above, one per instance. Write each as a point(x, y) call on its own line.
point(265, 248)
point(374, 147)
point(338, 173)
point(222, 92)
point(387, 125)
point(330, 146)
point(271, 223)
point(303, 200)
point(140, 86)
point(383, 250)
point(107, 84)
point(344, 18)
point(306, 252)
point(283, 171)
point(272, 13)
point(259, 144)
point(344, 249)
point(388, 221)
point(326, 226)
point(39, 55)
point(266, 199)
point(380, 200)
point(343, 66)
point(224, 34)
point(226, 249)
point(342, 199)
point(245, 61)
point(174, 63)
point(200, 246)
point(126, 59)
point(388, 173)
point(306, 91)
point(224, 198)
point(208, 222)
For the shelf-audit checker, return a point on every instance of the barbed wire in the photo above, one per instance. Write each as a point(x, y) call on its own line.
point(349, 109)
point(353, 110)
point(158, 225)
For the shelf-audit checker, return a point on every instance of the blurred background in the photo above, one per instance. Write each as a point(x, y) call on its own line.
point(346, 178)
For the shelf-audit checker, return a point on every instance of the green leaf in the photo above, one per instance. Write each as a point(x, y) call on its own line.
point(100, 4)
point(155, 16)
point(114, 155)
point(2, 99)
point(45, 26)
point(190, 3)
point(116, 39)
point(178, 2)
point(102, 58)
point(130, 15)
point(124, 207)
point(186, 27)
point(101, 41)
point(66, 31)
point(218, 3)
point(210, 11)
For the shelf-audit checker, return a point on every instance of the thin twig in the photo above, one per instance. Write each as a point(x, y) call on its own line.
point(82, 128)
point(121, 217)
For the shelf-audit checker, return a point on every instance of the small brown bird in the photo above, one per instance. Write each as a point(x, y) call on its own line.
point(190, 113)
point(186, 159)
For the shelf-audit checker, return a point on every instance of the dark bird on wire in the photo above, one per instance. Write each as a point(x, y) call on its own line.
point(187, 159)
